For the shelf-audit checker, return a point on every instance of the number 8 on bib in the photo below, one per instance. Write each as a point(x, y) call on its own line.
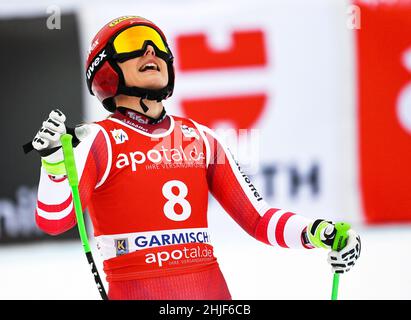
point(173, 199)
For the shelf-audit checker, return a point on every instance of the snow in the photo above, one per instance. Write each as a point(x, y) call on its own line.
point(50, 270)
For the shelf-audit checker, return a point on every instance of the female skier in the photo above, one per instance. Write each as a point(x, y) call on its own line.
point(145, 176)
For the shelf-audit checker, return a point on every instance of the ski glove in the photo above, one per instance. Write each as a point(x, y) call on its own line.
point(321, 234)
point(47, 141)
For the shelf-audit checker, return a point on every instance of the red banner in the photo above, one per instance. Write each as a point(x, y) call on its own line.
point(248, 49)
point(384, 114)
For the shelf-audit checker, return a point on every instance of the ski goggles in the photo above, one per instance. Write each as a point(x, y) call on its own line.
point(133, 42)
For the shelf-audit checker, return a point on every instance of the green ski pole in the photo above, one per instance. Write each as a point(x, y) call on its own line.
point(340, 241)
point(72, 177)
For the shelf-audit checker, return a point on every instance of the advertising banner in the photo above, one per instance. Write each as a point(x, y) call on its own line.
point(384, 110)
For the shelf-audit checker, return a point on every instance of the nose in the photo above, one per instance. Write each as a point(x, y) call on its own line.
point(150, 51)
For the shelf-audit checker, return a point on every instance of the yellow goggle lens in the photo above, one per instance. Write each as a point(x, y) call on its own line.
point(132, 39)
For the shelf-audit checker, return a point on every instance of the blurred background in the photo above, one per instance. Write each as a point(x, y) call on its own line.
point(317, 92)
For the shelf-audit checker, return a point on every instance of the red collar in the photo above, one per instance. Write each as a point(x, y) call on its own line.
point(141, 121)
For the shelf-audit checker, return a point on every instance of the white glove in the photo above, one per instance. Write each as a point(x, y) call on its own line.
point(47, 140)
point(342, 261)
point(321, 234)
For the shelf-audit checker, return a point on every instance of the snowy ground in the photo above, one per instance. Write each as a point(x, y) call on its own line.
point(252, 270)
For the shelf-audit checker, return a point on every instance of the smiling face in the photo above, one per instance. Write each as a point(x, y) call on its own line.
point(147, 71)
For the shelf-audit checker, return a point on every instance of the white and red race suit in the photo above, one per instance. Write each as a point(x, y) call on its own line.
point(146, 189)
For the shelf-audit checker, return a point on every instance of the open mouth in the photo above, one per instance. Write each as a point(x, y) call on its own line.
point(151, 66)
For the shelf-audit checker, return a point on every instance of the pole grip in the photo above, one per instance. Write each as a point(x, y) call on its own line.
point(71, 170)
point(341, 237)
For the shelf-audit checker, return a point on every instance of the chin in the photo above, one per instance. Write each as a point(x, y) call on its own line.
point(154, 84)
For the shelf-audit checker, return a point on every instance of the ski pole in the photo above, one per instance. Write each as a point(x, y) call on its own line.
point(340, 241)
point(72, 177)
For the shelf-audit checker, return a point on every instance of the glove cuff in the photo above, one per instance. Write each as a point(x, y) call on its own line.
point(55, 169)
point(314, 232)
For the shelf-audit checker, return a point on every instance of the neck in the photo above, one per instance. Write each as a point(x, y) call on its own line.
point(154, 108)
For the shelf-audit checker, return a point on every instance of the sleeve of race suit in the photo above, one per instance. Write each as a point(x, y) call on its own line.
point(55, 209)
point(231, 187)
